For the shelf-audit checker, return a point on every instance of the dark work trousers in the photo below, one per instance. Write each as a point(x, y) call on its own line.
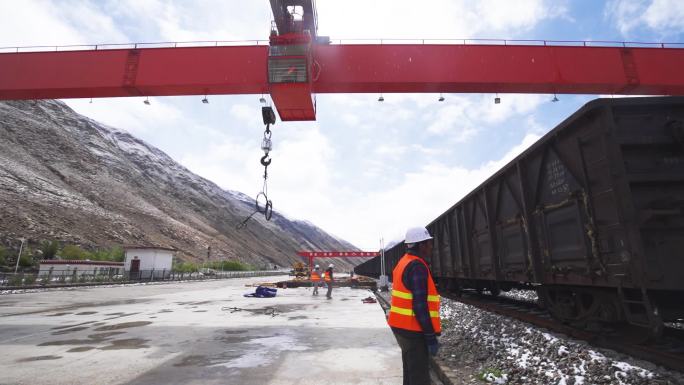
point(330, 286)
point(415, 358)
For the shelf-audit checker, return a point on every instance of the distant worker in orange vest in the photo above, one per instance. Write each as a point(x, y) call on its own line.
point(414, 313)
point(328, 276)
point(316, 279)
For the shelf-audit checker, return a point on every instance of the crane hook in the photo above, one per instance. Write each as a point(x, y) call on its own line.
point(265, 161)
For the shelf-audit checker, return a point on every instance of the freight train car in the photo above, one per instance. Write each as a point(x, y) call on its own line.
point(371, 268)
point(591, 216)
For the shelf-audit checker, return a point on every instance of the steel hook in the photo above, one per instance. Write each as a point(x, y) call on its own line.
point(265, 161)
point(269, 210)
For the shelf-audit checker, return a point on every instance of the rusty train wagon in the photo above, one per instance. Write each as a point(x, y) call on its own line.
point(591, 216)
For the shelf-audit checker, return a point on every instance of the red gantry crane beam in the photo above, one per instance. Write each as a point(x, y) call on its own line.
point(310, 255)
point(345, 69)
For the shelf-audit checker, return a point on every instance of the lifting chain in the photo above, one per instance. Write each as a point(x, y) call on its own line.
point(267, 207)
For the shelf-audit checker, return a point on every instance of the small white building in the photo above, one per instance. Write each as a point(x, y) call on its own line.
point(143, 261)
point(57, 267)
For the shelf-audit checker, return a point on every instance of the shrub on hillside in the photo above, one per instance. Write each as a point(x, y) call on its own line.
point(74, 252)
point(26, 260)
point(49, 249)
point(16, 280)
point(234, 266)
point(3, 254)
point(184, 267)
point(29, 279)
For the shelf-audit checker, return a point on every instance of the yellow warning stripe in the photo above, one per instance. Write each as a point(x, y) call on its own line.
point(408, 295)
point(409, 312)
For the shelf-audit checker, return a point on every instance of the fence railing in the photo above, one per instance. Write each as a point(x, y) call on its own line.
point(73, 278)
point(432, 41)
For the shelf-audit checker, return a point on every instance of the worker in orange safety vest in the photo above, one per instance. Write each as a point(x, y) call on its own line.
point(316, 279)
point(328, 277)
point(414, 312)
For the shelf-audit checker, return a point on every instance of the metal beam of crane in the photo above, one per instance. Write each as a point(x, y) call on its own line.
point(368, 68)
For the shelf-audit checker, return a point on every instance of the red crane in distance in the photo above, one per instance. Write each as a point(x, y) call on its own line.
point(298, 64)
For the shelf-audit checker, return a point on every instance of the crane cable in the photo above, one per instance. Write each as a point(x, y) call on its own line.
point(267, 208)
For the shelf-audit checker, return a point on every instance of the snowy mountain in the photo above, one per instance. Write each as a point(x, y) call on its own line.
point(64, 176)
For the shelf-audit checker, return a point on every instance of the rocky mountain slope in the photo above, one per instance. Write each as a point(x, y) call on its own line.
point(64, 176)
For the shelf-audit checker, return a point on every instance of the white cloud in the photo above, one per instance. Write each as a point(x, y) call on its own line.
point(437, 19)
point(197, 20)
point(232, 165)
point(454, 120)
point(416, 200)
point(242, 112)
point(665, 17)
point(129, 114)
point(31, 22)
point(462, 116)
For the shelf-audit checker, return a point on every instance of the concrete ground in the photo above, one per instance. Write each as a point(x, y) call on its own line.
point(195, 333)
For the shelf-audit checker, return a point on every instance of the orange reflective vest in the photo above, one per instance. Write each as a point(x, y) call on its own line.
point(326, 276)
point(401, 311)
point(315, 276)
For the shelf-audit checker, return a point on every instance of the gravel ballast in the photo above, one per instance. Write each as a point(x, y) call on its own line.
point(506, 351)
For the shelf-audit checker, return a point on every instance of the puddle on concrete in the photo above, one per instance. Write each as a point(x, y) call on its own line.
point(232, 336)
point(130, 343)
point(123, 325)
point(67, 331)
point(38, 358)
point(200, 360)
point(92, 339)
point(103, 336)
point(297, 317)
point(80, 349)
point(235, 331)
point(57, 314)
point(165, 311)
point(86, 313)
point(192, 361)
point(66, 342)
point(199, 311)
point(151, 317)
point(121, 315)
point(344, 299)
point(235, 339)
point(194, 303)
point(71, 326)
point(63, 309)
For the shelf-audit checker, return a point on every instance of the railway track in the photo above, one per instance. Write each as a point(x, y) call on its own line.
point(631, 340)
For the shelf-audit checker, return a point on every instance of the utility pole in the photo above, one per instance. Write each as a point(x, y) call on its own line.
point(208, 257)
point(383, 276)
point(21, 248)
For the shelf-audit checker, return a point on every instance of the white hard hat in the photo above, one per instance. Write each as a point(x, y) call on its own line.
point(416, 234)
point(317, 266)
point(331, 265)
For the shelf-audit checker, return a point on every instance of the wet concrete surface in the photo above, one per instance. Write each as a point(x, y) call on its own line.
point(203, 333)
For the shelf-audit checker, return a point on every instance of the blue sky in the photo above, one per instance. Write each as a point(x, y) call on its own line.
point(364, 169)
